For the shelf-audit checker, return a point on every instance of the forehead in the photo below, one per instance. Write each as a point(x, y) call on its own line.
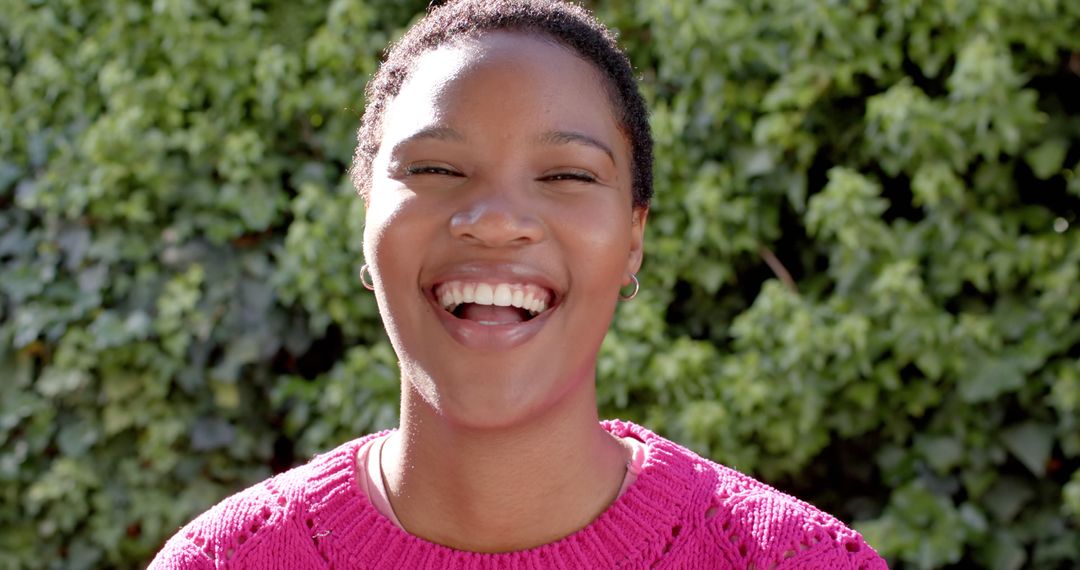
point(500, 73)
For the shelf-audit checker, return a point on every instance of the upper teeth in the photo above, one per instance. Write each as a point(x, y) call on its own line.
point(524, 296)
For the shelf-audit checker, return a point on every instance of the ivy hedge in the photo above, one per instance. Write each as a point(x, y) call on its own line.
point(861, 280)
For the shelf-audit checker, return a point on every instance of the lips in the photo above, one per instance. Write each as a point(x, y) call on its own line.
point(500, 301)
point(493, 308)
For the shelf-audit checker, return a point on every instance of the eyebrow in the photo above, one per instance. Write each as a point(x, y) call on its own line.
point(434, 132)
point(570, 137)
point(443, 133)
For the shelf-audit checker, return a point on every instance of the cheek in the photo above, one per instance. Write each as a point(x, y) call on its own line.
point(391, 233)
point(601, 236)
point(384, 230)
point(386, 244)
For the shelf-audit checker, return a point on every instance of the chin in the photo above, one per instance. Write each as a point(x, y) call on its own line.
point(488, 418)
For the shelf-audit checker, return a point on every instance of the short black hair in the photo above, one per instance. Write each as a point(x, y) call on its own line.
point(567, 24)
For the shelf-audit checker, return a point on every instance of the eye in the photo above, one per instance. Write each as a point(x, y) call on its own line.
point(571, 175)
point(431, 169)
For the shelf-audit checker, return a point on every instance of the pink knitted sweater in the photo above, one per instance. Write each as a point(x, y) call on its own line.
point(683, 511)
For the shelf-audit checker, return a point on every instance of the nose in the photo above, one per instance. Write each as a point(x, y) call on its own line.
point(497, 218)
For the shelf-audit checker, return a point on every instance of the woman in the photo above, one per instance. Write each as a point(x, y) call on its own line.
point(505, 160)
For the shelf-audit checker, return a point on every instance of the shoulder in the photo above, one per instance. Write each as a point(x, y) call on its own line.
point(268, 524)
point(770, 527)
point(754, 525)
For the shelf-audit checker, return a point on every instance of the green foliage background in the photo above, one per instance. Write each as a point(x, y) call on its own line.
point(861, 278)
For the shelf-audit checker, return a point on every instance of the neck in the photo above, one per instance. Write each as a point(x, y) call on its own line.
point(505, 489)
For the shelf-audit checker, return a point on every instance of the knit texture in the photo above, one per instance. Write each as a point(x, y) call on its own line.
point(683, 511)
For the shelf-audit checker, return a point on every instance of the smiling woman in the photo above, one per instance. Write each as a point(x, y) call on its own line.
point(505, 161)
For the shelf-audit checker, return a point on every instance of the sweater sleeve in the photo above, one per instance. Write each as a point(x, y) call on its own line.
point(769, 529)
point(848, 552)
point(259, 527)
point(179, 553)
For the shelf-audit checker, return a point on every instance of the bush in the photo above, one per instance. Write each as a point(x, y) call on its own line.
point(861, 274)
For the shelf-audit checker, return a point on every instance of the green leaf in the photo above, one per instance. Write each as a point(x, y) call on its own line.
point(1006, 552)
point(1005, 499)
point(989, 378)
point(943, 452)
point(1031, 443)
point(1071, 496)
point(1047, 159)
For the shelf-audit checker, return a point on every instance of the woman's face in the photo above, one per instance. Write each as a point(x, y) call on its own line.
point(500, 227)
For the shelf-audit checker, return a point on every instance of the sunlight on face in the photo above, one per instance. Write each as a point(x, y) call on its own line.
point(500, 227)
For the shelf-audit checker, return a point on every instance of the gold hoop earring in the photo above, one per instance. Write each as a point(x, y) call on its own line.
point(367, 282)
point(637, 287)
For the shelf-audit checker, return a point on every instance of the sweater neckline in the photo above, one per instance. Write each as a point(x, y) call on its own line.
point(372, 479)
point(634, 529)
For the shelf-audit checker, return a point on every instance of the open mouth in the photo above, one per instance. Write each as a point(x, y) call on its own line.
point(493, 303)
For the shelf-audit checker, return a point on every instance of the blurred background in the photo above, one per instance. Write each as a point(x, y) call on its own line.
point(862, 280)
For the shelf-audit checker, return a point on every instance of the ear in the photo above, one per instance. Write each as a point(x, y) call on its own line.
point(637, 241)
